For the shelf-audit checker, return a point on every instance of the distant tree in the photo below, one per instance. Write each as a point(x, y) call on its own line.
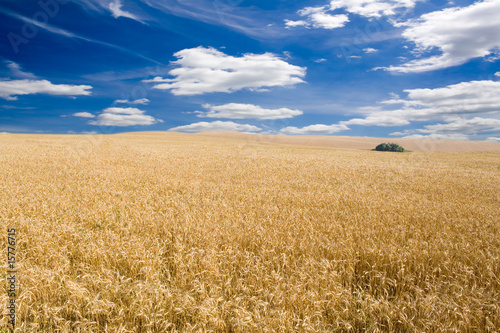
point(390, 147)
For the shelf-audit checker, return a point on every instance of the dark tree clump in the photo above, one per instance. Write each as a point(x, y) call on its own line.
point(389, 147)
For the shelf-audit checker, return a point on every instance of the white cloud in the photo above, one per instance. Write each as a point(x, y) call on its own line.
point(317, 17)
point(293, 24)
point(129, 111)
point(123, 117)
point(12, 107)
point(461, 106)
point(158, 79)
point(321, 17)
point(469, 126)
point(247, 111)
point(83, 115)
point(373, 8)
point(9, 89)
point(377, 121)
point(462, 99)
point(17, 72)
point(455, 136)
point(116, 10)
point(142, 101)
point(206, 70)
point(493, 139)
point(457, 129)
point(370, 50)
point(318, 129)
point(460, 34)
point(320, 60)
point(497, 74)
point(215, 126)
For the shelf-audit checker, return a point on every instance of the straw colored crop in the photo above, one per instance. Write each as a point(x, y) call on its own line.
point(183, 233)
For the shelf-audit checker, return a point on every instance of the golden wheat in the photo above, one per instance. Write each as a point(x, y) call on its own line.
point(183, 233)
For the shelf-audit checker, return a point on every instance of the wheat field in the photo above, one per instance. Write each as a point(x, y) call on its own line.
point(167, 232)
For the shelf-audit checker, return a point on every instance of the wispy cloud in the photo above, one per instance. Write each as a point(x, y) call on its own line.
point(243, 19)
point(136, 73)
point(69, 34)
point(17, 72)
point(116, 10)
point(142, 101)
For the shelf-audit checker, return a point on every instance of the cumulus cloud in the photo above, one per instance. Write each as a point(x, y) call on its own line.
point(377, 120)
point(493, 139)
point(318, 129)
point(460, 34)
point(142, 101)
point(322, 17)
point(462, 99)
point(457, 129)
point(215, 126)
point(10, 89)
point(435, 136)
point(123, 117)
point(370, 50)
point(206, 70)
point(83, 115)
point(461, 106)
point(293, 24)
point(469, 126)
point(317, 17)
point(247, 111)
point(373, 8)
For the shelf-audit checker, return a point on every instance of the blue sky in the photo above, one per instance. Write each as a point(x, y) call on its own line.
point(383, 68)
